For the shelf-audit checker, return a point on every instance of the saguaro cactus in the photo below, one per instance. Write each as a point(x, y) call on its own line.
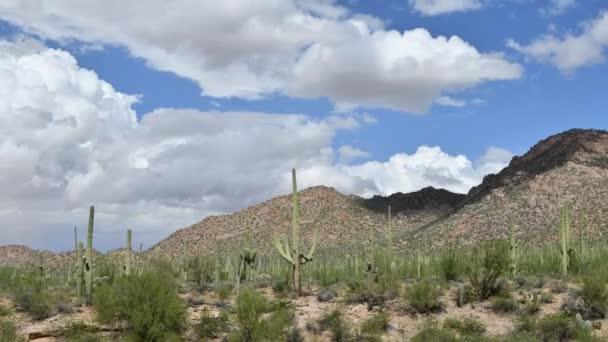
point(88, 261)
point(293, 254)
point(129, 254)
point(565, 240)
point(79, 271)
point(513, 249)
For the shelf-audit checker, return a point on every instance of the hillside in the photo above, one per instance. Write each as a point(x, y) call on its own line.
point(341, 219)
point(570, 168)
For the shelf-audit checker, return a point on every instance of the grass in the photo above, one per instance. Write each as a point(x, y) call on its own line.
point(503, 305)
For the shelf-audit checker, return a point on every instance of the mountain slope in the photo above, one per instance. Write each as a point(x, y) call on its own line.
point(341, 219)
point(567, 169)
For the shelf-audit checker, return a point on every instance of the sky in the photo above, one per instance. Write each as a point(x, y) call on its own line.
point(161, 113)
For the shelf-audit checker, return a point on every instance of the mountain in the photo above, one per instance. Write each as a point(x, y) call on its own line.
point(25, 256)
point(341, 219)
point(568, 169)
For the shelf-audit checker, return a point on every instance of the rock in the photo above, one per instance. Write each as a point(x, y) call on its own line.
point(326, 295)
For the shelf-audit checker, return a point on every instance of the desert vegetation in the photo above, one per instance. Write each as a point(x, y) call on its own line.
point(368, 290)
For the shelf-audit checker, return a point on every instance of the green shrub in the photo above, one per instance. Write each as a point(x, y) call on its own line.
point(376, 325)
point(33, 299)
point(503, 305)
point(253, 327)
point(80, 332)
point(423, 297)
point(149, 303)
point(594, 294)
point(488, 263)
point(449, 264)
point(8, 331)
point(431, 332)
point(521, 337)
point(211, 326)
point(4, 311)
point(334, 322)
point(223, 292)
point(465, 327)
point(556, 327)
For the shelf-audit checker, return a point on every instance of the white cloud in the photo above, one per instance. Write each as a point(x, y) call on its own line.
point(349, 153)
point(251, 49)
point(450, 101)
point(571, 51)
point(69, 139)
point(404, 72)
point(437, 7)
point(557, 7)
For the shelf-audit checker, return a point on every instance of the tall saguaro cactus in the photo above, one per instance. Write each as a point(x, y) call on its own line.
point(79, 271)
point(565, 240)
point(293, 254)
point(88, 261)
point(513, 249)
point(129, 254)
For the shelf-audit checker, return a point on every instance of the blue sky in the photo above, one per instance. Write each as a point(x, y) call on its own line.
point(441, 113)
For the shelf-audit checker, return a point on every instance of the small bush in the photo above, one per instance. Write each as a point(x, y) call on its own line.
point(490, 261)
point(558, 286)
point(149, 303)
point(251, 306)
point(423, 297)
point(334, 322)
point(376, 325)
point(431, 332)
point(521, 337)
point(4, 311)
point(211, 326)
point(8, 331)
point(80, 332)
point(280, 286)
point(503, 305)
point(34, 301)
point(450, 264)
point(556, 327)
point(465, 327)
point(595, 295)
point(223, 292)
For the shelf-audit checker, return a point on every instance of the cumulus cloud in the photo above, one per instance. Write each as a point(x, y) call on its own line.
point(250, 49)
point(68, 139)
point(571, 51)
point(557, 7)
point(437, 7)
point(402, 71)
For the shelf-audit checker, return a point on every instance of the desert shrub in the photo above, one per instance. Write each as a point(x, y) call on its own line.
point(503, 305)
point(334, 322)
point(556, 327)
point(376, 325)
point(521, 337)
point(211, 326)
point(594, 294)
point(432, 332)
point(80, 332)
point(558, 286)
point(223, 292)
point(423, 297)
point(4, 311)
point(546, 297)
point(280, 286)
point(294, 335)
point(488, 263)
point(33, 298)
point(8, 331)
point(326, 294)
point(465, 327)
point(449, 264)
point(250, 308)
point(149, 303)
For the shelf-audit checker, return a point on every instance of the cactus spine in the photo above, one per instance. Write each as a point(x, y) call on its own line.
point(292, 254)
point(129, 254)
point(565, 240)
point(88, 262)
point(513, 249)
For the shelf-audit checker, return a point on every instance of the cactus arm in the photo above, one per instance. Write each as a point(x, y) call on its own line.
point(279, 246)
point(313, 247)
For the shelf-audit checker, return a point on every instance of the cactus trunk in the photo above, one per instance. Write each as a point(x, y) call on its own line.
point(513, 250)
point(79, 271)
point(129, 254)
point(565, 237)
point(293, 254)
point(88, 266)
